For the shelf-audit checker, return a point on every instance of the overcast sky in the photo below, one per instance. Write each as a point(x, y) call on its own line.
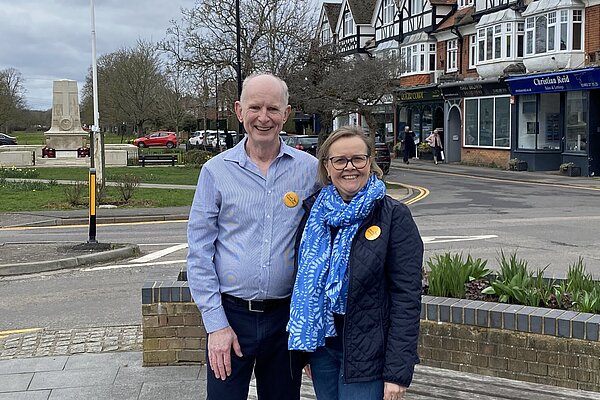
point(47, 40)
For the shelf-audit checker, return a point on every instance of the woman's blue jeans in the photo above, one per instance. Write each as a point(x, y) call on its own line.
point(328, 379)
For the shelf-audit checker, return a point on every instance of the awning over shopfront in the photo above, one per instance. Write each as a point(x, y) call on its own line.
point(473, 88)
point(581, 79)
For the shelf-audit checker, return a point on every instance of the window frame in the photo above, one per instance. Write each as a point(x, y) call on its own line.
point(419, 58)
point(493, 125)
point(563, 32)
point(452, 55)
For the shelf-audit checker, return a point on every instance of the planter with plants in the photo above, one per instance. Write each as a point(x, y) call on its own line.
point(424, 151)
point(570, 169)
point(514, 164)
point(513, 324)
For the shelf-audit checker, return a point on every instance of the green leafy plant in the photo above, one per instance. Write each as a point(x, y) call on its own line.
point(13, 172)
point(565, 166)
point(449, 273)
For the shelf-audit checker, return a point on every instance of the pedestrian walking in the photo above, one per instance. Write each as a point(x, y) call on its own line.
point(410, 148)
point(435, 141)
point(241, 229)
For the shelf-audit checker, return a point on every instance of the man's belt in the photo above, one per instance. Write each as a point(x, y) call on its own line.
point(256, 305)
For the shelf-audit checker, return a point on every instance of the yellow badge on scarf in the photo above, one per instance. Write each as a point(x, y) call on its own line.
point(290, 199)
point(373, 232)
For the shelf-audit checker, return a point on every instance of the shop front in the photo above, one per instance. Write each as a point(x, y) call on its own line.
point(421, 108)
point(557, 119)
point(478, 112)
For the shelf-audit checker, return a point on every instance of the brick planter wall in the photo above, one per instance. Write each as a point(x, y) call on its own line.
point(532, 344)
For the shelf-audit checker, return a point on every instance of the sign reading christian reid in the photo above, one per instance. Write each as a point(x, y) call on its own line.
point(474, 89)
point(582, 79)
point(420, 95)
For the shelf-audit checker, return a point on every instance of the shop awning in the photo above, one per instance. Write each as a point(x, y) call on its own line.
point(558, 81)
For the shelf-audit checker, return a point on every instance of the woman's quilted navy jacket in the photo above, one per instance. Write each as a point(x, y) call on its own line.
point(384, 296)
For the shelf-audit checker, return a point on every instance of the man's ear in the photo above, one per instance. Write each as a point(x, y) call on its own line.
point(288, 110)
point(238, 111)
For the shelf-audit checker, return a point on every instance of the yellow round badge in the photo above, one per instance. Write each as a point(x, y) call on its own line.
point(373, 232)
point(290, 199)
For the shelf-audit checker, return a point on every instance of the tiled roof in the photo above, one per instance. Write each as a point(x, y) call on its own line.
point(362, 10)
point(461, 17)
point(332, 11)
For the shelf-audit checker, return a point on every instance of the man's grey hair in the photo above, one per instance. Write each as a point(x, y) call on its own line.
point(284, 88)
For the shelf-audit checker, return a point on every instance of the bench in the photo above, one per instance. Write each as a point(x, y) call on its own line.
point(158, 159)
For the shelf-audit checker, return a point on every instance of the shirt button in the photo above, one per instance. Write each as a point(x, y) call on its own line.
point(268, 216)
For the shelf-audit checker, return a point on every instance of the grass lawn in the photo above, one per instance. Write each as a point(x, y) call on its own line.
point(39, 138)
point(153, 174)
point(36, 196)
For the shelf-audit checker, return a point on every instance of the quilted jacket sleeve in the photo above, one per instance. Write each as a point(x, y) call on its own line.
point(403, 281)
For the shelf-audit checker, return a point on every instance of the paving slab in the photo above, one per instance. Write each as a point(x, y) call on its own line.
point(120, 392)
point(18, 366)
point(35, 395)
point(99, 375)
point(15, 382)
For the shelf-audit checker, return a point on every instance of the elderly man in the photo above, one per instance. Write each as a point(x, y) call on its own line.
point(241, 233)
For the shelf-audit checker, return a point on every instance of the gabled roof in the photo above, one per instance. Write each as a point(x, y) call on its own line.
point(461, 17)
point(362, 10)
point(332, 12)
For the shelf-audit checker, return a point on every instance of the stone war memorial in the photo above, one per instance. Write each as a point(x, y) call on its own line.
point(66, 138)
point(66, 142)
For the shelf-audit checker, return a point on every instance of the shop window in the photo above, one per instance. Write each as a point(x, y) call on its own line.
point(539, 122)
point(427, 121)
point(576, 121)
point(487, 122)
point(416, 124)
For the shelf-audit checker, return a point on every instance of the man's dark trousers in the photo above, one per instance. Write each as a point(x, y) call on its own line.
point(263, 339)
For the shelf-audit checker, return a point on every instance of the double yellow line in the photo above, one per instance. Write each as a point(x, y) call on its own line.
point(421, 192)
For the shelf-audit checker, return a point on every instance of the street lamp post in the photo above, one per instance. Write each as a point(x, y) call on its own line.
point(238, 64)
point(97, 156)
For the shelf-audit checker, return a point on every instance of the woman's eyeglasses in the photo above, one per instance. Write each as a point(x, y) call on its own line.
point(340, 162)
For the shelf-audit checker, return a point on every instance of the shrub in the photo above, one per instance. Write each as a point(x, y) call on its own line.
point(127, 185)
point(13, 172)
point(74, 193)
point(197, 157)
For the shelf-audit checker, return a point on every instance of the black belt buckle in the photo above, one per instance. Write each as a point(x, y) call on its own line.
point(256, 305)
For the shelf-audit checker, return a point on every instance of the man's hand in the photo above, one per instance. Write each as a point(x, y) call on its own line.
point(219, 351)
point(391, 391)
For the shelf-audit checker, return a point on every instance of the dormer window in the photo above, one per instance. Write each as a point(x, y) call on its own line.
point(389, 10)
point(416, 7)
point(325, 33)
point(348, 24)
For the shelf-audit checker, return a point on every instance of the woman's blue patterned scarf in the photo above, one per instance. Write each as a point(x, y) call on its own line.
point(321, 287)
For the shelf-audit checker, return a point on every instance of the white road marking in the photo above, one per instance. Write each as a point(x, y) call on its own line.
point(107, 267)
point(158, 254)
point(446, 239)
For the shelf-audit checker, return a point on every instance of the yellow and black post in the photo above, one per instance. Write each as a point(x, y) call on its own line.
point(92, 238)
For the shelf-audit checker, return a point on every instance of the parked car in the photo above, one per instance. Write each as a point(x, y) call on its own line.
point(382, 157)
point(306, 143)
point(6, 139)
point(161, 138)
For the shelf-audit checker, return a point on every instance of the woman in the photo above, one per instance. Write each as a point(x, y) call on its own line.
point(435, 141)
point(357, 298)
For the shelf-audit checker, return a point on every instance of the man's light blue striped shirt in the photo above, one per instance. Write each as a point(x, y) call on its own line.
point(240, 231)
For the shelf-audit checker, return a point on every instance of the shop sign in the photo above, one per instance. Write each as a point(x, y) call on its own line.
point(474, 89)
point(583, 79)
point(420, 95)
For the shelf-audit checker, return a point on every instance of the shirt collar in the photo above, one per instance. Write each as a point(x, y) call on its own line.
point(238, 152)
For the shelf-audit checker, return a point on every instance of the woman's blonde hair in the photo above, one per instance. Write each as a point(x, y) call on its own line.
point(344, 132)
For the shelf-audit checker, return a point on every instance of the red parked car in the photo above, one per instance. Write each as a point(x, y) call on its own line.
point(161, 138)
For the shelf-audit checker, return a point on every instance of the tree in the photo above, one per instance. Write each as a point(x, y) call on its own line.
point(275, 35)
point(131, 83)
point(12, 96)
point(332, 85)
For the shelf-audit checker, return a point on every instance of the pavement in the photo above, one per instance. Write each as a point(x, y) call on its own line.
point(106, 362)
